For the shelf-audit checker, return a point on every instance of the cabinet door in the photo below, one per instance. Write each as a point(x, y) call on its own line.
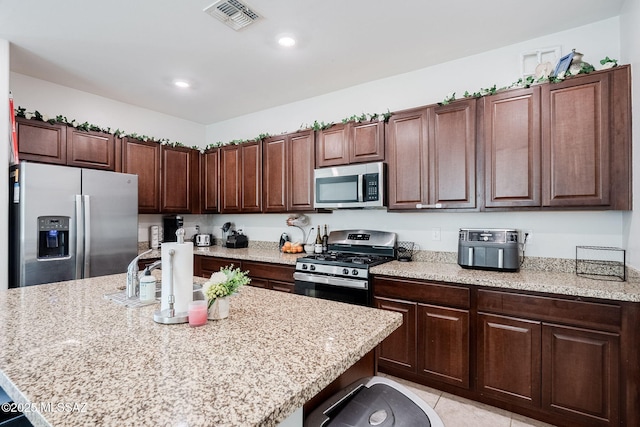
point(275, 174)
point(205, 266)
point(398, 350)
point(95, 150)
point(176, 179)
point(41, 142)
point(407, 141)
point(366, 142)
point(210, 174)
point(452, 144)
point(230, 179)
point(143, 159)
point(580, 374)
point(575, 142)
point(332, 147)
point(512, 148)
point(281, 286)
point(443, 344)
point(301, 157)
point(251, 192)
point(509, 359)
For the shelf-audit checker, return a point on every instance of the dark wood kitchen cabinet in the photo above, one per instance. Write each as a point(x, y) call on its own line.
point(241, 178)
point(432, 156)
point(210, 180)
point(586, 141)
point(277, 277)
point(433, 342)
point(559, 355)
point(289, 161)
point(205, 266)
point(142, 158)
point(352, 142)
point(179, 178)
point(60, 144)
point(512, 148)
point(42, 142)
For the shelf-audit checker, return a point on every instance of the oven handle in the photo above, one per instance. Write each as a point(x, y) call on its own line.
point(331, 280)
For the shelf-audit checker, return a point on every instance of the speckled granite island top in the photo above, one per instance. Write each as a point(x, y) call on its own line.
point(66, 344)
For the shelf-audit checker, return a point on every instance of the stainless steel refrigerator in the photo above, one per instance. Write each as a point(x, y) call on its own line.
point(69, 223)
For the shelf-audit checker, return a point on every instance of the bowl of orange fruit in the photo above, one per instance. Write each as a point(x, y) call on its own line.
point(292, 248)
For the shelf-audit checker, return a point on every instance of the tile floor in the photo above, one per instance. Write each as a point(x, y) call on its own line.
point(456, 411)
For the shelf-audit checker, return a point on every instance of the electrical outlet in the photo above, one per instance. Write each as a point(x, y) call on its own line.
point(528, 238)
point(435, 234)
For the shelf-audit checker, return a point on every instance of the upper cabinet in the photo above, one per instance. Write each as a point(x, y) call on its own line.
point(432, 157)
point(142, 158)
point(64, 145)
point(559, 145)
point(179, 178)
point(210, 180)
point(584, 127)
point(289, 161)
point(353, 142)
point(241, 178)
point(512, 148)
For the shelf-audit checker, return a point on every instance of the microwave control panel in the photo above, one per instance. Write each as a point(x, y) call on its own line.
point(371, 190)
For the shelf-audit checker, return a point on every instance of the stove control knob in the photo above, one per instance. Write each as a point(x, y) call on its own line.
point(354, 272)
point(312, 267)
point(345, 271)
point(304, 266)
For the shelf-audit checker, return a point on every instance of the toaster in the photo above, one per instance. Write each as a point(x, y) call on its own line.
point(489, 249)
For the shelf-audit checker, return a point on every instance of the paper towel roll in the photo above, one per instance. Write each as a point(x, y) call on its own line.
point(182, 273)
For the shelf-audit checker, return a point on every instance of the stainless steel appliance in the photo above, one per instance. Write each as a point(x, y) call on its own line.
point(490, 249)
point(171, 224)
point(353, 186)
point(342, 274)
point(70, 223)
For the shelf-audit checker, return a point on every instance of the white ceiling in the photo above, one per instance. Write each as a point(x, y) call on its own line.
point(131, 50)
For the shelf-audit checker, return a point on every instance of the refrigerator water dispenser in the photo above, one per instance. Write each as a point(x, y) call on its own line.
point(53, 237)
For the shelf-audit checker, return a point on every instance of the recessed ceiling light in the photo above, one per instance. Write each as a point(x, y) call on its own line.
point(182, 84)
point(287, 41)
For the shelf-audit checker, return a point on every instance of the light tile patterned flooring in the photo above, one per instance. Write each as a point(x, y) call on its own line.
point(456, 411)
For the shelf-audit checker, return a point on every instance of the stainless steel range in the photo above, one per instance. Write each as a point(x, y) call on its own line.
point(342, 274)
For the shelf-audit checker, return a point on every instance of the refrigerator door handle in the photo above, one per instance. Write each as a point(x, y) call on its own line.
point(87, 236)
point(79, 236)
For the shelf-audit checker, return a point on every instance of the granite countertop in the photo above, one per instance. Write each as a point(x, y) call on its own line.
point(66, 344)
point(263, 254)
point(537, 281)
point(547, 281)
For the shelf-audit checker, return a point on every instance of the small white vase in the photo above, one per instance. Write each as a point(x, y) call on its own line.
point(219, 309)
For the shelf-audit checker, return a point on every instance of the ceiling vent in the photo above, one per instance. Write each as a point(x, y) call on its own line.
point(233, 13)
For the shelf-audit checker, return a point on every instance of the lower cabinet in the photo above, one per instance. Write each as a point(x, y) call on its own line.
point(277, 277)
point(433, 341)
point(560, 359)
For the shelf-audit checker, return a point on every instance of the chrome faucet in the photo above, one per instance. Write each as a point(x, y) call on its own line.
point(133, 277)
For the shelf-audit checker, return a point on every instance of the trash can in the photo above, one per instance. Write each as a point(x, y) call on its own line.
point(374, 401)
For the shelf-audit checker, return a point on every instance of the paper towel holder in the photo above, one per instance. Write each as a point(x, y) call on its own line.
point(169, 316)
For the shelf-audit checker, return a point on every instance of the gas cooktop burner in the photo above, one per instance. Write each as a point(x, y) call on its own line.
point(337, 257)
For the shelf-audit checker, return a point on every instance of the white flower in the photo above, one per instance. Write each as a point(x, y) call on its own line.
point(28, 116)
point(218, 277)
point(74, 123)
point(45, 118)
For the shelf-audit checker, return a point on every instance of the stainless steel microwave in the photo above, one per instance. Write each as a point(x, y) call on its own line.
point(353, 186)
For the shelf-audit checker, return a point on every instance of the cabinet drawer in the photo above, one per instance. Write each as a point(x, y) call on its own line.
point(580, 313)
point(424, 292)
point(269, 271)
point(210, 265)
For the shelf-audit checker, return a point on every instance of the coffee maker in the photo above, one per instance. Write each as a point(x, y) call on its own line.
point(171, 224)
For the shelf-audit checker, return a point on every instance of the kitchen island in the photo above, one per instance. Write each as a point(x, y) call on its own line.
point(81, 359)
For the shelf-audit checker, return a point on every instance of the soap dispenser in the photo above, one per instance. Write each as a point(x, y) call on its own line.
point(147, 287)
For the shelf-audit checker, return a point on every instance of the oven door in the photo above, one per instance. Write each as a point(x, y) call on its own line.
point(332, 288)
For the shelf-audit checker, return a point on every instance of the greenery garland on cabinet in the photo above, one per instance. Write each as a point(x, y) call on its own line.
point(316, 126)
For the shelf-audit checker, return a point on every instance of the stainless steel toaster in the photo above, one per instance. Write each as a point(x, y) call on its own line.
point(489, 249)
